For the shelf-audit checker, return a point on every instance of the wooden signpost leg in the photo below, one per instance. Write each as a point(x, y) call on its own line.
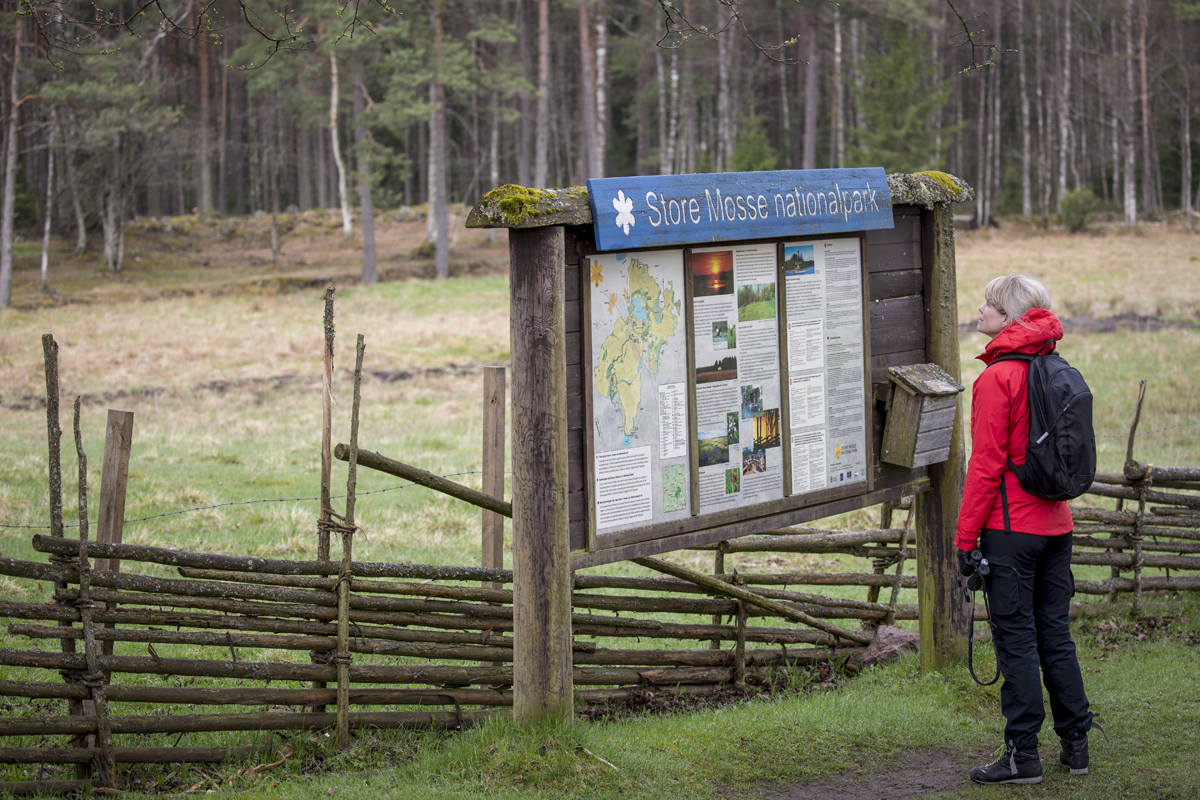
point(943, 618)
point(118, 442)
point(493, 469)
point(542, 680)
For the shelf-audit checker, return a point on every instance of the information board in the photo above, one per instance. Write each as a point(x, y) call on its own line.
point(825, 363)
point(724, 379)
point(639, 396)
point(736, 364)
point(726, 350)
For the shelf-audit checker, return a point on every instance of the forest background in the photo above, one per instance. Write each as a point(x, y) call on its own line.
point(117, 110)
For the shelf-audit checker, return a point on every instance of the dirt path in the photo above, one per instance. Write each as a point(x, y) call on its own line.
point(915, 773)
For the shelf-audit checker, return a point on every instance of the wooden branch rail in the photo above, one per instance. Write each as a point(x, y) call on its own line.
point(1130, 493)
point(268, 696)
point(1185, 519)
point(262, 721)
point(420, 674)
point(778, 608)
point(1100, 527)
point(399, 469)
point(178, 558)
point(1163, 477)
point(124, 755)
point(814, 542)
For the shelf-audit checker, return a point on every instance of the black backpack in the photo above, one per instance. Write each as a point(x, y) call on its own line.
point(1060, 459)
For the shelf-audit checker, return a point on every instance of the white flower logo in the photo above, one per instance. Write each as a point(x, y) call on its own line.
point(624, 207)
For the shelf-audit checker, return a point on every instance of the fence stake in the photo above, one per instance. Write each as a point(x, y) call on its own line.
point(493, 469)
point(114, 481)
point(94, 678)
point(54, 441)
point(326, 515)
point(718, 569)
point(739, 647)
point(343, 657)
point(326, 428)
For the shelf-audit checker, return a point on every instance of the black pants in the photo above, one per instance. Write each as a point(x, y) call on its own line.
point(1029, 591)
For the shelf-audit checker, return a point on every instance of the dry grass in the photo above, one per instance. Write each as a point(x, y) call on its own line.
point(1152, 270)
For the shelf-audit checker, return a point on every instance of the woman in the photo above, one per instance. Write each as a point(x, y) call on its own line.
point(1030, 585)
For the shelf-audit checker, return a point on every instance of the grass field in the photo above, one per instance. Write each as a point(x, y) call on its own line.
point(221, 366)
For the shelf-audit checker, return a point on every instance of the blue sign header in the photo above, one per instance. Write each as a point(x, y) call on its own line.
point(663, 210)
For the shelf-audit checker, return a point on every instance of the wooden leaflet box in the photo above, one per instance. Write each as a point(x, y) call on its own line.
point(922, 403)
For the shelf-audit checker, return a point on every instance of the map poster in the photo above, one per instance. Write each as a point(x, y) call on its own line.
point(735, 326)
point(639, 389)
point(823, 286)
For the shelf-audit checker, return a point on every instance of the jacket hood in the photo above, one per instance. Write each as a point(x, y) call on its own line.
point(1029, 334)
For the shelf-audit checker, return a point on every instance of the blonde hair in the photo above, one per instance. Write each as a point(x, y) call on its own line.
point(1013, 295)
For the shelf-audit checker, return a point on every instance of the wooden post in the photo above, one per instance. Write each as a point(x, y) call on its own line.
point(114, 480)
point(493, 469)
point(542, 679)
point(342, 657)
point(943, 619)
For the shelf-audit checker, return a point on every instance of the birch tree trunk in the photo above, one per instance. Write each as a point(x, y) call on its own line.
point(76, 200)
point(1149, 192)
point(437, 208)
point(1026, 156)
point(724, 158)
point(10, 173)
point(664, 164)
point(1043, 127)
point(981, 154)
point(370, 270)
point(997, 127)
point(49, 203)
point(1064, 104)
point(542, 147)
point(837, 153)
point(673, 120)
point(205, 155)
point(812, 92)
point(601, 90)
point(587, 100)
point(1131, 115)
point(1185, 135)
point(343, 194)
point(526, 23)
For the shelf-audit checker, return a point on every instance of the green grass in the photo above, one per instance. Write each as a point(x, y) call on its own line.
point(764, 309)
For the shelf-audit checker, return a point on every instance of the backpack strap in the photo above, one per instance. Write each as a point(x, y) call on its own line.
point(1027, 357)
point(1004, 501)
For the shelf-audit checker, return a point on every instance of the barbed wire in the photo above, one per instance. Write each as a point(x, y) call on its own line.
point(245, 503)
point(1144, 433)
point(408, 485)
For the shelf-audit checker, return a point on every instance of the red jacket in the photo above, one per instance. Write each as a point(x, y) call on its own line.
point(1000, 431)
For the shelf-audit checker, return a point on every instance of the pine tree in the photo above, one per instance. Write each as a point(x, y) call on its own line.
point(900, 100)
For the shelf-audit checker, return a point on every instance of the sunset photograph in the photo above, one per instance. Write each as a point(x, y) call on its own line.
point(712, 273)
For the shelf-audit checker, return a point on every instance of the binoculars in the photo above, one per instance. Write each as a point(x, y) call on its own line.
point(981, 569)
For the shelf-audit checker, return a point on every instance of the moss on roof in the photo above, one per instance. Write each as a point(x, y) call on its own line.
point(512, 206)
point(927, 189)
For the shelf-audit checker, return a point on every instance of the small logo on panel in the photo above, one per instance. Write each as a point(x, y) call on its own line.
point(624, 207)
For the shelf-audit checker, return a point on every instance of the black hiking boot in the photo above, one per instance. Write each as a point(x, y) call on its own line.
point(1074, 755)
point(1015, 766)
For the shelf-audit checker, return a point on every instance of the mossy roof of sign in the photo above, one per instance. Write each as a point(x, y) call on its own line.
point(927, 189)
point(512, 206)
